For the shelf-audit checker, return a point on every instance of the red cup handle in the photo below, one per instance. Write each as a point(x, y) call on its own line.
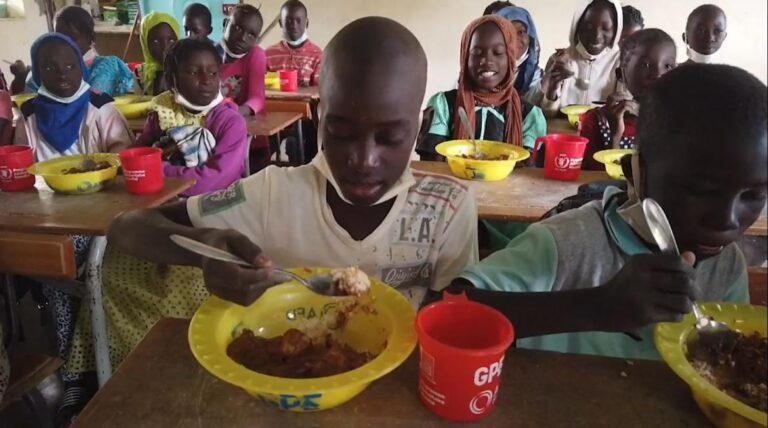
point(536, 147)
point(450, 297)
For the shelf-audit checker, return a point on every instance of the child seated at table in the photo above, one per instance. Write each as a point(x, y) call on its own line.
point(573, 282)
point(197, 22)
point(245, 63)
point(202, 135)
point(486, 92)
point(527, 71)
point(67, 117)
point(157, 33)
point(645, 56)
point(584, 72)
point(358, 203)
point(295, 51)
point(705, 31)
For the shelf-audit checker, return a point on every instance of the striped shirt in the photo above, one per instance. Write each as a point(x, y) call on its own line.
point(305, 59)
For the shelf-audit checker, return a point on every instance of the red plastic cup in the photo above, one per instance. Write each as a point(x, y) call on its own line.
point(143, 170)
point(563, 155)
point(14, 161)
point(289, 80)
point(462, 346)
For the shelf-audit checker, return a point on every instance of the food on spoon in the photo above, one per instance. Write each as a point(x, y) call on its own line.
point(96, 166)
point(735, 363)
point(295, 355)
point(350, 281)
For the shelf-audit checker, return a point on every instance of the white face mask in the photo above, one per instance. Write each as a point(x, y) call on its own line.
point(521, 59)
point(295, 43)
point(700, 57)
point(181, 100)
point(84, 87)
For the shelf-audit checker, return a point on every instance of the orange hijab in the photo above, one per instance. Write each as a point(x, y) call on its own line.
point(504, 93)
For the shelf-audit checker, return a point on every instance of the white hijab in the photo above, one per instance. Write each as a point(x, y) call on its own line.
point(580, 12)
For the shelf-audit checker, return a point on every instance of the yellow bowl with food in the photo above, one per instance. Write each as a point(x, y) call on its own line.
point(612, 161)
point(133, 106)
point(20, 99)
point(385, 330)
point(68, 174)
point(272, 81)
point(720, 407)
point(574, 111)
point(496, 163)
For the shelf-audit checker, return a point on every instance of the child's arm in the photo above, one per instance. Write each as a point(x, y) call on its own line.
point(439, 128)
point(257, 70)
point(20, 72)
point(315, 80)
point(518, 282)
point(225, 164)
point(151, 131)
point(534, 126)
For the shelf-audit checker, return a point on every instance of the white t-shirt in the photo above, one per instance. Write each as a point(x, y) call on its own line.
point(426, 240)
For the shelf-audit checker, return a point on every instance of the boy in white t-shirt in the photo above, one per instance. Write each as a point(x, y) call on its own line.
point(358, 203)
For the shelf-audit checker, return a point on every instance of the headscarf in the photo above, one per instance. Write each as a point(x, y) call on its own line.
point(59, 119)
point(618, 25)
point(151, 66)
point(527, 69)
point(504, 93)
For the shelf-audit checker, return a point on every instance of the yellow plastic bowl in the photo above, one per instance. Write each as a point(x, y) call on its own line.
point(389, 331)
point(610, 159)
point(272, 81)
point(133, 106)
point(52, 172)
point(481, 170)
point(22, 98)
point(574, 111)
point(722, 409)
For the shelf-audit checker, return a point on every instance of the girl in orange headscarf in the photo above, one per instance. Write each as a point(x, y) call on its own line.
point(486, 91)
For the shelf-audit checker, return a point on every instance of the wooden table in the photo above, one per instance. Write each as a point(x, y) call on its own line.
point(160, 384)
point(263, 124)
point(526, 194)
point(302, 94)
point(41, 211)
point(560, 125)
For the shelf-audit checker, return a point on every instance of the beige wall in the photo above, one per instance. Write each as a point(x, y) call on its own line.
point(439, 23)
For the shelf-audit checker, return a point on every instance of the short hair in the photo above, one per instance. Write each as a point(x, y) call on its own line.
point(181, 51)
point(705, 8)
point(647, 37)
point(294, 4)
point(197, 10)
point(247, 10)
point(697, 101)
point(632, 16)
point(496, 6)
point(76, 18)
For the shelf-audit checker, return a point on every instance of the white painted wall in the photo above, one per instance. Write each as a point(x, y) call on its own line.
point(17, 33)
point(439, 23)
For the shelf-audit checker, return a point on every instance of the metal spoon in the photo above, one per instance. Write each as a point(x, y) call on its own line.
point(665, 239)
point(320, 284)
point(467, 127)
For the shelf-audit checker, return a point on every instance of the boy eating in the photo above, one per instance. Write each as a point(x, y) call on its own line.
point(358, 203)
point(593, 272)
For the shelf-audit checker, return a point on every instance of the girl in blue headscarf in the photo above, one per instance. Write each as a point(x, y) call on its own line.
point(528, 73)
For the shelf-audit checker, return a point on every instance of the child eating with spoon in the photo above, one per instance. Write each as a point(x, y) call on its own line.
point(574, 281)
point(358, 203)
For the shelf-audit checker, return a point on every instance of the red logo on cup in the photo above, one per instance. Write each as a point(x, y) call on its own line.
point(5, 174)
point(562, 161)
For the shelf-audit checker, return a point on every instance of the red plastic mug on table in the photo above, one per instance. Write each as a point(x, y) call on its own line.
point(462, 346)
point(563, 155)
point(289, 80)
point(143, 170)
point(14, 162)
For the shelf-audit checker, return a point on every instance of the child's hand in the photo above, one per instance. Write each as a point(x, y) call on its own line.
point(650, 288)
point(559, 70)
point(229, 281)
point(19, 69)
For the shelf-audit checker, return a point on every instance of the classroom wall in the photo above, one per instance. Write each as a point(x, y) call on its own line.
point(18, 33)
point(438, 25)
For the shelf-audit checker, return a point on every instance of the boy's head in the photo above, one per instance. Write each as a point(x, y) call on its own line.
point(706, 29)
point(645, 56)
point(243, 29)
point(76, 23)
point(57, 64)
point(372, 84)
point(192, 68)
point(633, 21)
point(293, 20)
point(496, 6)
point(702, 146)
point(197, 21)
point(597, 26)
point(489, 52)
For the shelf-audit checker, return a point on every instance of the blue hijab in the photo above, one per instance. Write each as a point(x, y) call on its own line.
point(527, 69)
point(58, 122)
